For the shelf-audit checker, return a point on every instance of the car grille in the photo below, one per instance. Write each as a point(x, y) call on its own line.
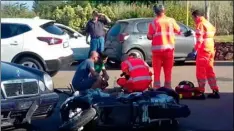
point(20, 88)
point(43, 110)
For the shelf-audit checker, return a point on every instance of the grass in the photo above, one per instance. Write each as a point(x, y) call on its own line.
point(224, 38)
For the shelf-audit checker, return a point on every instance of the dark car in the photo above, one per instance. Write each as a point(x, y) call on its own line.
point(130, 35)
point(26, 94)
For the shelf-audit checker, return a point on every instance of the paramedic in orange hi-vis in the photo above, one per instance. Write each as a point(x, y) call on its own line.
point(137, 74)
point(204, 47)
point(162, 33)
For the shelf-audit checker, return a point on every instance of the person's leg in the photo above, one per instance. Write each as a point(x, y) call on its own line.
point(157, 63)
point(211, 77)
point(93, 45)
point(121, 82)
point(97, 83)
point(201, 64)
point(101, 42)
point(168, 63)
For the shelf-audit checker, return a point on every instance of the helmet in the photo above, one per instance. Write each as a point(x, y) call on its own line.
point(188, 83)
point(158, 8)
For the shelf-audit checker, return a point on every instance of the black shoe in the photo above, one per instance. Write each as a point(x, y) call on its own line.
point(214, 95)
point(200, 97)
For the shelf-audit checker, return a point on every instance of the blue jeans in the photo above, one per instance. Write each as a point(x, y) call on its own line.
point(84, 84)
point(97, 44)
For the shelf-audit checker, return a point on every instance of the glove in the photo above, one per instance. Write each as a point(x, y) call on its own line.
point(192, 54)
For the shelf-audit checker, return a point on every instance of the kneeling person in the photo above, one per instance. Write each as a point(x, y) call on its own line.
point(100, 67)
point(137, 74)
point(86, 77)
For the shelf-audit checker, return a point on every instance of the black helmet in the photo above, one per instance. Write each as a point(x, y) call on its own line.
point(158, 8)
point(189, 83)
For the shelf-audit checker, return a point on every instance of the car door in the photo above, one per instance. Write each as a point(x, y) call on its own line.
point(183, 45)
point(12, 40)
point(141, 38)
point(78, 44)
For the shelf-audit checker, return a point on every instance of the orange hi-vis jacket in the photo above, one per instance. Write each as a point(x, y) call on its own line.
point(205, 32)
point(163, 28)
point(137, 69)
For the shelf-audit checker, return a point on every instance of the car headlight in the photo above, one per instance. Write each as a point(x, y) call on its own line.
point(48, 82)
point(42, 86)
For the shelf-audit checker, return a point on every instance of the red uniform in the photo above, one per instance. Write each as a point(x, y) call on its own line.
point(205, 32)
point(140, 75)
point(162, 30)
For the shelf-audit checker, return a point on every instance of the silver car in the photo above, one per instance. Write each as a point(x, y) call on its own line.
point(130, 35)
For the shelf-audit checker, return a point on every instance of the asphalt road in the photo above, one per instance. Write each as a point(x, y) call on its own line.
point(206, 114)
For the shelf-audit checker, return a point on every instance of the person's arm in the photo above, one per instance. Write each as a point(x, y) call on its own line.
point(87, 32)
point(151, 31)
point(199, 36)
point(176, 27)
point(92, 69)
point(106, 20)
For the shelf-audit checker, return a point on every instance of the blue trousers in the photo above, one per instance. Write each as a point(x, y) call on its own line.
point(97, 44)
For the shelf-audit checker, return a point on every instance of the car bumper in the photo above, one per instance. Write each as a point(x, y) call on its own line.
point(12, 110)
point(56, 64)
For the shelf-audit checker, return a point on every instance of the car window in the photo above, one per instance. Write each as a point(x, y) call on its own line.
point(52, 28)
point(117, 29)
point(142, 27)
point(11, 30)
point(69, 32)
point(183, 28)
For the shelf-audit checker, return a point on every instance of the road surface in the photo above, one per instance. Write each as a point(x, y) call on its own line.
point(205, 114)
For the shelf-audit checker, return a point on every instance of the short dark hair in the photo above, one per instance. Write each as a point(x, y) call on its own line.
point(95, 13)
point(103, 55)
point(133, 55)
point(197, 13)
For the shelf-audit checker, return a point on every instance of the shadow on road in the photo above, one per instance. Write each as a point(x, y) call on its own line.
point(209, 114)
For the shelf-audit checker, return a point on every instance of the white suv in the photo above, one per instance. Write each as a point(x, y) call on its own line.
point(35, 43)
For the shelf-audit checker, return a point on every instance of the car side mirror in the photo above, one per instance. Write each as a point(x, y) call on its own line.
point(188, 33)
point(75, 35)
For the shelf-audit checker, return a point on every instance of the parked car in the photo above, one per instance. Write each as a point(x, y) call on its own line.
point(26, 94)
point(77, 42)
point(36, 43)
point(130, 35)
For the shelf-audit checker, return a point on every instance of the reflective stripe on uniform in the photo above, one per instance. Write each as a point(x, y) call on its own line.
point(131, 68)
point(213, 84)
point(167, 84)
point(162, 47)
point(211, 79)
point(157, 83)
point(140, 78)
point(201, 80)
point(198, 32)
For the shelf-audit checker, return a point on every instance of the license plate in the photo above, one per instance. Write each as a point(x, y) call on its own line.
point(25, 105)
point(65, 44)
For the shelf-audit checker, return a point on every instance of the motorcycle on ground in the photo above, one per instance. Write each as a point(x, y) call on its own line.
point(74, 112)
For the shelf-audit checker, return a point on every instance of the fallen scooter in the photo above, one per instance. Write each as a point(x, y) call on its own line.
point(74, 112)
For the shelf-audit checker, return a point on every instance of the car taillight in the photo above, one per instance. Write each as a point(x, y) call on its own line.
point(51, 40)
point(123, 37)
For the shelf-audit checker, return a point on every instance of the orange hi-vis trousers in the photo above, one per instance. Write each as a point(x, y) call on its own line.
point(205, 70)
point(163, 59)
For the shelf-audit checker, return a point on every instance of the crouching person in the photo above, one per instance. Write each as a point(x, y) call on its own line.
point(85, 76)
point(101, 69)
point(137, 74)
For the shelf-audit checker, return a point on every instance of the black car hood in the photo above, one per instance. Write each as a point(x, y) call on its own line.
point(10, 71)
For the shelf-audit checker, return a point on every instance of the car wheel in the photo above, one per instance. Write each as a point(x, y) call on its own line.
point(31, 62)
point(138, 53)
point(180, 62)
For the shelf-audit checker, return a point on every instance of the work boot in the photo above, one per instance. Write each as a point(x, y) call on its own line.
point(214, 95)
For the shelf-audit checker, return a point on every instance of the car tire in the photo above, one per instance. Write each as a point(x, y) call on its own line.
point(31, 62)
point(181, 62)
point(138, 52)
